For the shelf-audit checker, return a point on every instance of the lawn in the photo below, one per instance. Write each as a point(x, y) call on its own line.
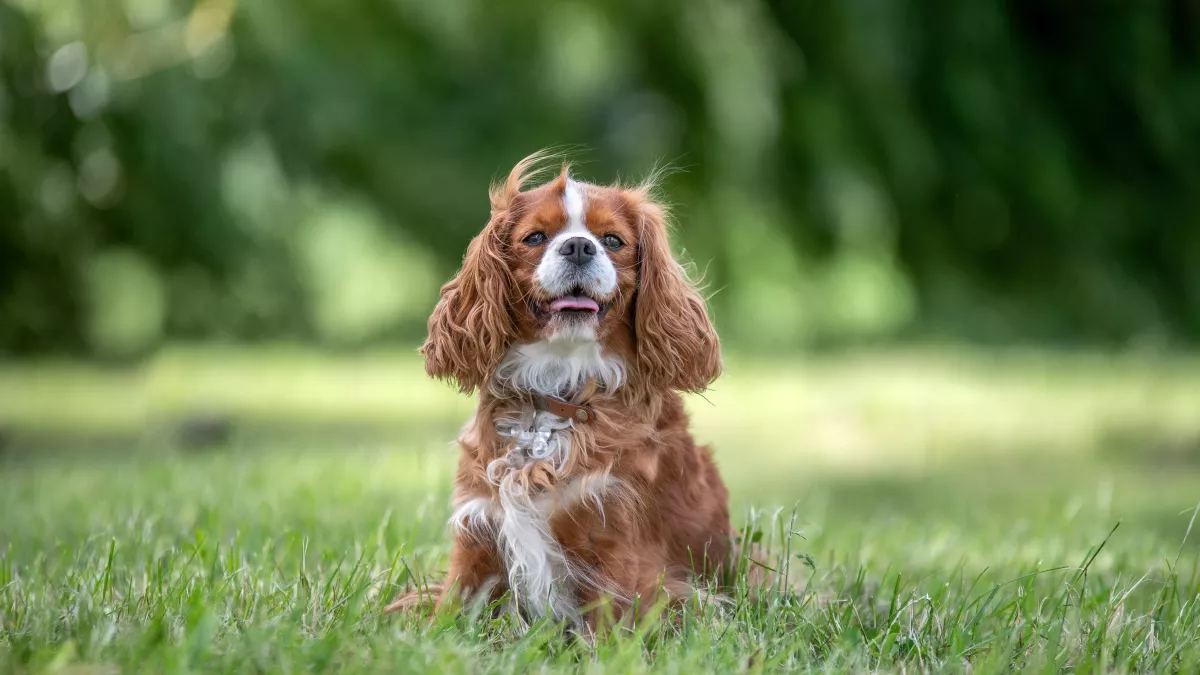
point(939, 510)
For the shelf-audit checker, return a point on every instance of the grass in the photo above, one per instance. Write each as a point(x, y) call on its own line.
point(940, 512)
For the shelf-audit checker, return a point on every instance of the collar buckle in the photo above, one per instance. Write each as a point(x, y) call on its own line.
point(581, 414)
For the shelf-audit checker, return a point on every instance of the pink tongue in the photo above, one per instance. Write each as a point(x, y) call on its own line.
point(572, 302)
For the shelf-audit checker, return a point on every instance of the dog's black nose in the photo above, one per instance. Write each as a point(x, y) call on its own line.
point(579, 250)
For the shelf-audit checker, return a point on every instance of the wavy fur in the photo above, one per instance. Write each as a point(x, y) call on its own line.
point(677, 344)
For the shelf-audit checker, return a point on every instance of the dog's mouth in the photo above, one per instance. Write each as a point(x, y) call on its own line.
point(576, 304)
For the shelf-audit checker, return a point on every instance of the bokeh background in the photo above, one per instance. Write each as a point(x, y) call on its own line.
point(933, 232)
point(862, 171)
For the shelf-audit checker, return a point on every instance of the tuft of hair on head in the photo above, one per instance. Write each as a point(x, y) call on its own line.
point(649, 187)
point(503, 193)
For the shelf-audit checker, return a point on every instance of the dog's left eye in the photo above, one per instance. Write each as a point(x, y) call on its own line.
point(611, 242)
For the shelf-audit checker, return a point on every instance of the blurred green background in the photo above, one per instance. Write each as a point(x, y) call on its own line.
point(858, 171)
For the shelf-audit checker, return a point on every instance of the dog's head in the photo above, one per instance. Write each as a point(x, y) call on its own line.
point(569, 274)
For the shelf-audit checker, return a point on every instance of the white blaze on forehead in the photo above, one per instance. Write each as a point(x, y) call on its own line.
point(573, 202)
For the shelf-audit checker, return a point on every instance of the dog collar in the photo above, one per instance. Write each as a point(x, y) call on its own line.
point(564, 409)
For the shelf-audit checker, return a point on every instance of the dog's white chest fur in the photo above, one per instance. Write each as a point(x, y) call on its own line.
point(538, 571)
point(563, 363)
point(542, 578)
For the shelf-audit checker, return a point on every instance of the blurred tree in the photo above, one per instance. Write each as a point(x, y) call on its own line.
point(854, 170)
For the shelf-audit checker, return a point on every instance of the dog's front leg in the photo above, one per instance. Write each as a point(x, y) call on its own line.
point(475, 567)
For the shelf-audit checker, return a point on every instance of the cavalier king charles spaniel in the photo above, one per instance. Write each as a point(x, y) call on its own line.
point(579, 486)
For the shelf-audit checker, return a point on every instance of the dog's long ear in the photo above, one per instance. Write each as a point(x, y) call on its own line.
point(677, 344)
point(472, 326)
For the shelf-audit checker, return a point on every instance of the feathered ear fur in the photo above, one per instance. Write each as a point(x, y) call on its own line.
point(677, 345)
point(472, 326)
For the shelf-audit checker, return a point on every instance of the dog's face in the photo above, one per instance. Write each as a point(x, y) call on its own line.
point(573, 253)
point(567, 270)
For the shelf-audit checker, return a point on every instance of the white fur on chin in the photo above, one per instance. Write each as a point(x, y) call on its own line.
point(562, 363)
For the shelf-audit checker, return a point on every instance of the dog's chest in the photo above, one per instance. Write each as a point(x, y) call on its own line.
point(530, 437)
point(539, 573)
point(535, 480)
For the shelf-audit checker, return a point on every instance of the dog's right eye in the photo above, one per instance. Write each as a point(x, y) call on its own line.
point(535, 239)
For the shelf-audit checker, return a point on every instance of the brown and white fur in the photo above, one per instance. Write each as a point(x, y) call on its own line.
point(571, 290)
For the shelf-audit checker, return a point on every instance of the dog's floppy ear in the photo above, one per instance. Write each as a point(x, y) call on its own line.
point(677, 344)
point(472, 326)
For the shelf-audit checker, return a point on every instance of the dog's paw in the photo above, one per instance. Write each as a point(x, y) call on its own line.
point(423, 599)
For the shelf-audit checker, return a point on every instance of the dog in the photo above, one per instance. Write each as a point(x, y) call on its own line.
point(580, 491)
